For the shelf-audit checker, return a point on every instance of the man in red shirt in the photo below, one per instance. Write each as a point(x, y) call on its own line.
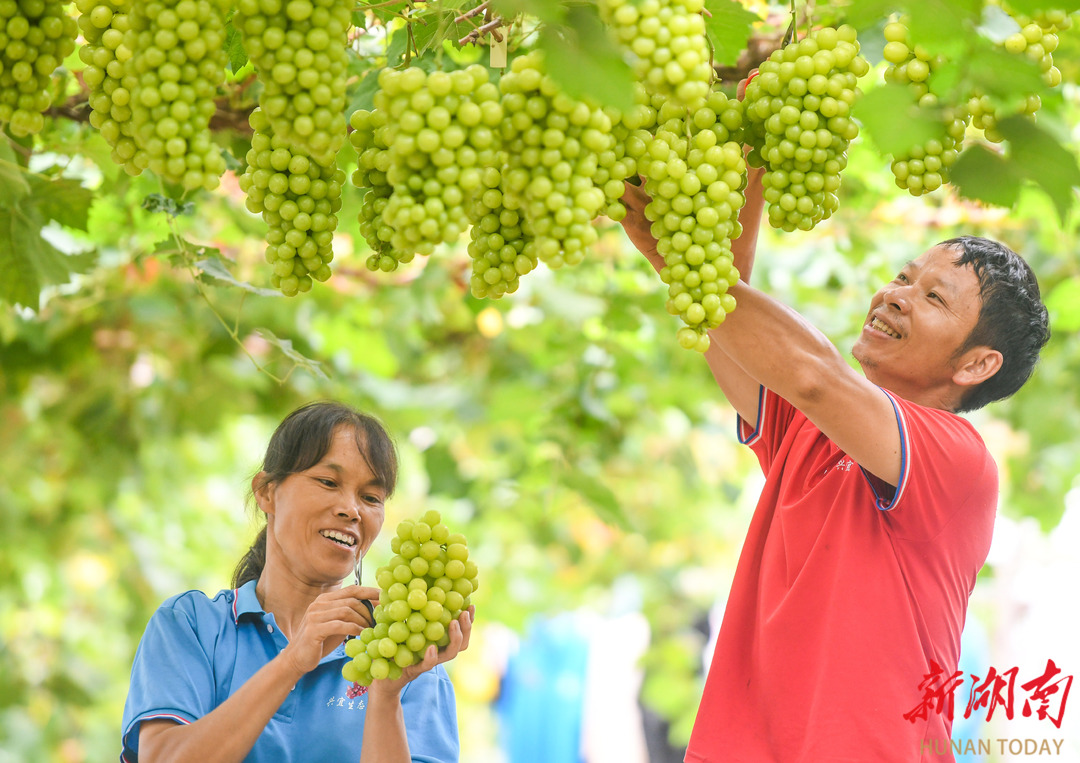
point(850, 594)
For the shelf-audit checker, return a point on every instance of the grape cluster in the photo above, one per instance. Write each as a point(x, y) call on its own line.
point(298, 49)
point(104, 24)
point(666, 43)
point(499, 249)
point(1038, 39)
point(298, 198)
point(35, 37)
point(924, 168)
point(423, 588)
point(561, 168)
point(695, 173)
point(368, 138)
point(176, 67)
point(799, 125)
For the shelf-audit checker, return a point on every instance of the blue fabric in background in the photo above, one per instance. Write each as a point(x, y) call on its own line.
point(540, 705)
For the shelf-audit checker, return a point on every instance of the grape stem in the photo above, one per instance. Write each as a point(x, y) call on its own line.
point(232, 330)
point(490, 26)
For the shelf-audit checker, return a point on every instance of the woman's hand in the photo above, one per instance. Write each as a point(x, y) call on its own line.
point(459, 631)
point(326, 623)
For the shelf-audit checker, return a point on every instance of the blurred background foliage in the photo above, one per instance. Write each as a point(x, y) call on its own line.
point(561, 428)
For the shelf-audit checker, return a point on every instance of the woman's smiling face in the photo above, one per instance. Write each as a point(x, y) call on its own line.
point(320, 519)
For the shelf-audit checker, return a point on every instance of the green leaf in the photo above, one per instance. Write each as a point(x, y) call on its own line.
point(890, 116)
point(547, 11)
point(13, 183)
point(1006, 77)
point(286, 348)
point(729, 25)
point(28, 262)
point(584, 61)
point(1063, 304)
point(1044, 160)
point(984, 175)
point(64, 200)
point(234, 46)
point(600, 496)
point(1031, 7)
point(362, 96)
point(213, 268)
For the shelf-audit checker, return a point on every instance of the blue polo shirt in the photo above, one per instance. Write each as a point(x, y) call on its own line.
point(197, 651)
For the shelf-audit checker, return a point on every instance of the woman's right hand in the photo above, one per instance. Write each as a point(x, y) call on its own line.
point(328, 620)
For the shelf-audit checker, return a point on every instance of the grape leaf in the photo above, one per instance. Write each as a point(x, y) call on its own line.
point(1044, 160)
point(1031, 7)
point(583, 60)
point(984, 175)
point(234, 48)
point(729, 25)
point(13, 184)
point(890, 116)
point(547, 11)
point(600, 496)
point(286, 348)
point(64, 200)
point(1063, 303)
point(213, 268)
point(28, 262)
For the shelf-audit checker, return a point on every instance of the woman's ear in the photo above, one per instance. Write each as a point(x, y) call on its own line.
point(263, 491)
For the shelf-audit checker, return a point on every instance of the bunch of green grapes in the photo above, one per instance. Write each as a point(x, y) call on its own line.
point(35, 38)
point(177, 66)
point(298, 198)
point(1038, 39)
point(925, 167)
point(694, 173)
point(423, 588)
point(368, 138)
point(798, 112)
point(499, 248)
point(441, 131)
point(554, 148)
point(298, 49)
point(104, 24)
point(667, 45)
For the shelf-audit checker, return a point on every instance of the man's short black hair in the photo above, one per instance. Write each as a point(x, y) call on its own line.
point(1012, 319)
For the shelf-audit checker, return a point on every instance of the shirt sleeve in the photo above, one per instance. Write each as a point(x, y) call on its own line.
point(430, 711)
point(172, 677)
point(765, 435)
point(947, 472)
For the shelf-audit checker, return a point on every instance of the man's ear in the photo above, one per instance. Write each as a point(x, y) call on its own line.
point(976, 366)
point(264, 493)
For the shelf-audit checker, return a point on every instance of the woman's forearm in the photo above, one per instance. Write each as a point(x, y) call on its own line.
point(227, 733)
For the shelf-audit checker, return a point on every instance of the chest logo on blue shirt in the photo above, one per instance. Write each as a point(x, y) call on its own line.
point(353, 699)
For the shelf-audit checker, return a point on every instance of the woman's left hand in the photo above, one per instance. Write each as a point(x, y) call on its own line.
point(459, 631)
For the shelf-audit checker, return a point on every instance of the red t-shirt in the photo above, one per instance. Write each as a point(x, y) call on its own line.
point(845, 592)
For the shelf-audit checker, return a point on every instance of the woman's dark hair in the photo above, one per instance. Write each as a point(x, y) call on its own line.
point(300, 441)
point(1012, 319)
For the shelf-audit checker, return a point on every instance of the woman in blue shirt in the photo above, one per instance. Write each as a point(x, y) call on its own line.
point(254, 674)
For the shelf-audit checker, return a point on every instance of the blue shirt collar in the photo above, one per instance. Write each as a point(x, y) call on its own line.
point(246, 602)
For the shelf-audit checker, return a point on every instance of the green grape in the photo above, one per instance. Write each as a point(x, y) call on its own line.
point(175, 70)
point(924, 167)
point(298, 49)
point(799, 125)
point(666, 45)
point(104, 24)
point(1037, 39)
point(35, 38)
point(694, 173)
point(498, 246)
point(299, 199)
point(554, 148)
point(368, 138)
point(421, 607)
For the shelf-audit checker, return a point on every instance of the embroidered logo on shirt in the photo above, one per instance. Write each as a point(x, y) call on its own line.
point(845, 464)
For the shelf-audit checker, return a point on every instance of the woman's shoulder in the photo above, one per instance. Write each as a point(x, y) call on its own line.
point(200, 607)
